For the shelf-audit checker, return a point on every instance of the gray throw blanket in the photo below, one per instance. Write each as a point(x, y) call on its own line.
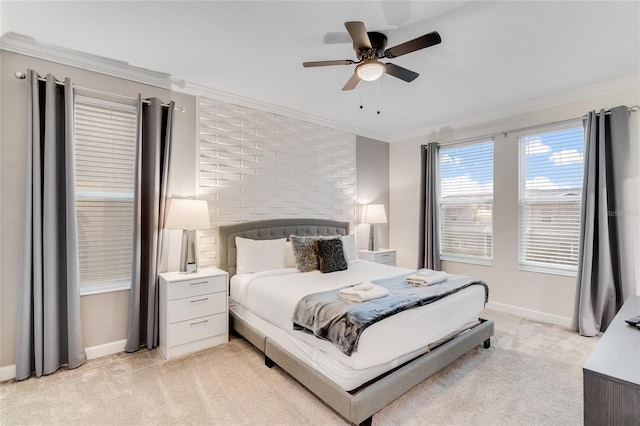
point(328, 317)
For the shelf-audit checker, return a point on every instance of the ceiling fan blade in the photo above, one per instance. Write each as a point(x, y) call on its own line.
point(400, 72)
point(352, 83)
point(413, 45)
point(358, 33)
point(326, 63)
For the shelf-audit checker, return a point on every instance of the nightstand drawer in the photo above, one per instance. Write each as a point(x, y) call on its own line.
point(197, 328)
point(197, 306)
point(385, 257)
point(196, 287)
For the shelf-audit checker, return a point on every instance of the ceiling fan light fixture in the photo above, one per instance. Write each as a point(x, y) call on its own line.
point(370, 70)
point(370, 47)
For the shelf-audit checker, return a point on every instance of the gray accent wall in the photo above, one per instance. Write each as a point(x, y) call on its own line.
point(372, 186)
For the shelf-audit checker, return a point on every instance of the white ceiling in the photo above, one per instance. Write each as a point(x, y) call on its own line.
point(494, 55)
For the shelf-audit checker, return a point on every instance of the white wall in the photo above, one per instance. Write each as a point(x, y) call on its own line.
point(534, 295)
point(260, 165)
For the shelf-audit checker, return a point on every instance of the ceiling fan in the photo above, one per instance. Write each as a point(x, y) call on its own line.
point(370, 48)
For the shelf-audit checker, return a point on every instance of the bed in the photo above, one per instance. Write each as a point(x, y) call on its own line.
point(358, 385)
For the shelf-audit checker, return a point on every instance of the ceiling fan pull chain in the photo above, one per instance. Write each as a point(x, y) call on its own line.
point(378, 96)
point(361, 96)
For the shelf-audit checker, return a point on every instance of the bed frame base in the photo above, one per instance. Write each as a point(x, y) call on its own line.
point(360, 405)
point(268, 362)
point(367, 422)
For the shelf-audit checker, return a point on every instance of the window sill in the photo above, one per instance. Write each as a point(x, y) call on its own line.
point(481, 262)
point(108, 287)
point(547, 270)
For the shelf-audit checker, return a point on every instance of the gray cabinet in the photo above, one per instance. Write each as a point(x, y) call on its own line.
point(612, 373)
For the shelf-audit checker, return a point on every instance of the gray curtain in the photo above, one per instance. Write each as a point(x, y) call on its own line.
point(606, 276)
point(151, 186)
point(48, 331)
point(429, 230)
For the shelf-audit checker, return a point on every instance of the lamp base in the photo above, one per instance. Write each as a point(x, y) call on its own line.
point(188, 263)
point(373, 238)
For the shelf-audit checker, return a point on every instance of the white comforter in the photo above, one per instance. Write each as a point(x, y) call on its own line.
point(272, 296)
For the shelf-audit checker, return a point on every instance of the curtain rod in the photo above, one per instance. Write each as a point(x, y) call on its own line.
point(634, 108)
point(21, 76)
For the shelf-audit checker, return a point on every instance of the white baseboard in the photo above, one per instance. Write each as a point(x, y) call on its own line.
point(8, 372)
point(530, 314)
point(105, 349)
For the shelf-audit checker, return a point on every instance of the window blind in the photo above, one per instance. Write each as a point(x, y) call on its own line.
point(105, 148)
point(550, 198)
point(466, 202)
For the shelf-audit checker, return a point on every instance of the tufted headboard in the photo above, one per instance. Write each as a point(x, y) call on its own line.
point(270, 230)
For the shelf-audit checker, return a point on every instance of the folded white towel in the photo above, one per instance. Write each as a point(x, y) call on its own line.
point(420, 279)
point(363, 292)
point(425, 272)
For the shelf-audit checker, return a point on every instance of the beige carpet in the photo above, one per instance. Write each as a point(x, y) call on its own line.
point(532, 375)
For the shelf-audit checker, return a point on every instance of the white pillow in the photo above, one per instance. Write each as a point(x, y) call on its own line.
point(259, 255)
point(349, 246)
point(289, 256)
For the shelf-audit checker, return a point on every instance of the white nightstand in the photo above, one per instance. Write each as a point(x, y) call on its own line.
point(193, 311)
point(386, 256)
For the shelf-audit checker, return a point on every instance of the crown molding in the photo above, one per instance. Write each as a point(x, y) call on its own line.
point(620, 85)
point(29, 46)
point(219, 95)
point(26, 45)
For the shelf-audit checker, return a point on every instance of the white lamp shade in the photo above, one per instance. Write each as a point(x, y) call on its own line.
point(188, 214)
point(374, 213)
point(370, 70)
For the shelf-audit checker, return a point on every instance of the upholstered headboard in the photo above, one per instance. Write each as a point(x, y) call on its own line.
point(270, 230)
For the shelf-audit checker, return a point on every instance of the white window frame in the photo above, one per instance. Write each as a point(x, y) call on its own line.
point(474, 200)
point(532, 266)
point(122, 103)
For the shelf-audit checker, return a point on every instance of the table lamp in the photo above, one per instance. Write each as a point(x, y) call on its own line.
point(373, 214)
point(188, 215)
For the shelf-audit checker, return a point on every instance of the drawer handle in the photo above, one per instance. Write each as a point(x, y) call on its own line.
point(200, 322)
point(199, 283)
point(200, 300)
point(385, 255)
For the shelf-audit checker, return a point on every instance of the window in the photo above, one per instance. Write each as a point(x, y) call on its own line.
point(550, 199)
point(105, 135)
point(466, 202)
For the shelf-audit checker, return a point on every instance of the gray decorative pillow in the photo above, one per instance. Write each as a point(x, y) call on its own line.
point(304, 252)
point(331, 255)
